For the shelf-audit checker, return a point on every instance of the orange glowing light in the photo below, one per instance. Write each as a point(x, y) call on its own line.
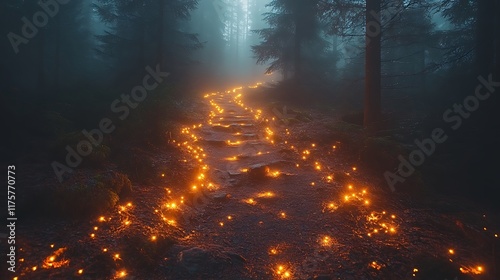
point(326, 241)
point(92, 235)
point(250, 201)
point(121, 274)
point(51, 245)
point(221, 224)
point(34, 268)
point(229, 217)
point(80, 271)
point(283, 215)
point(153, 238)
point(451, 251)
point(375, 265)
point(50, 261)
point(266, 194)
point(472, 270)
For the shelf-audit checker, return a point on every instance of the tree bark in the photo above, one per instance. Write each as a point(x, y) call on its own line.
point(372, 99)
point(41, 61)
point(485, 37)
point(161, 32)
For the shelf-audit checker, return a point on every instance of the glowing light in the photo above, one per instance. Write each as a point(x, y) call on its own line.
point(50, 261)
point(283, 272)
point(250, 201)
point(221, 224)
point(229, 217)
point(472, 270)
point(375, 265)
point(80, 271)
point(354, 168)
point(51, 245)
point(326, 241)
point(283, 215)
point(116, 257)
point(153, 238)
point(96, 228)
point(265, 194)
point(92, 235)
point(34, 268)
point(451, 251)
point(121, 274)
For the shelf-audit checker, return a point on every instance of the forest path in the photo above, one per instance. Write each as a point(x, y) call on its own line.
point(295, 210)
point(252, 196)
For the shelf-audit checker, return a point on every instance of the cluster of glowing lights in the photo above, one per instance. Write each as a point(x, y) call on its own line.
point(466, 269)
point(54, 260)
point(381, 223)
point(283, 272)
point(376, 265)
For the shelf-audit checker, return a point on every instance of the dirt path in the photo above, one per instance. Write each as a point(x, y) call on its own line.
point(263, 204)
point(295, 210)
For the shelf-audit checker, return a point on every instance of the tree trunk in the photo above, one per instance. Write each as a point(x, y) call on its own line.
point(372, 100)
point(161, 32)
point(41, 61)
point(57, 70)
point(485, 37)
point(496, 69)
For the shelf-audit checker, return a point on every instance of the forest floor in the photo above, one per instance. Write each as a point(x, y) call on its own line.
point(265, 198)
